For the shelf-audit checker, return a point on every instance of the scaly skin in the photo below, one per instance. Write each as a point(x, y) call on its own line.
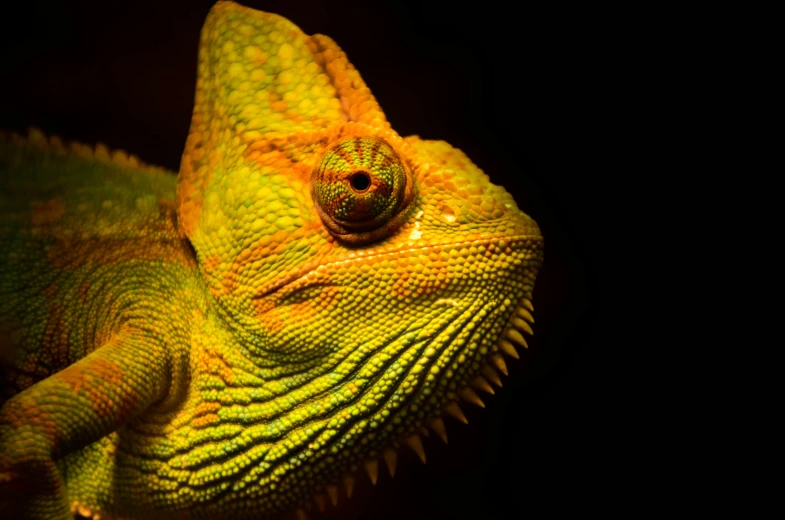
point(307, 294)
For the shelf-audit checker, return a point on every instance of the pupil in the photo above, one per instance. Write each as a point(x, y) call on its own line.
point(360, 181)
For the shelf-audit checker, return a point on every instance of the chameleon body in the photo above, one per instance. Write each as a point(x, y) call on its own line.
point(239, 340)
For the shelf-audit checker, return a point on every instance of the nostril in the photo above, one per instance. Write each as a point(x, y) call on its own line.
point(448, 213)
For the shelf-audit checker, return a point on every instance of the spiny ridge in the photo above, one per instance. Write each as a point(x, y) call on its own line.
point(98, 153)
point(508, 348)
point(454, 410)
point(525, 314)
point(516, 337)
point(348, 483)
point(468, 395)
point(320, 501)
point(391, 458)
point(332, 492)
point(437, 425)
point(372, 468)
point(480, 383)
point(414, 442)
point(522, 325)
point(491, 375)
point(498, 362)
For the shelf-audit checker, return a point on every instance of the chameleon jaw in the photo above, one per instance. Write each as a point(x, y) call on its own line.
point(446, 352)
point(519, 323)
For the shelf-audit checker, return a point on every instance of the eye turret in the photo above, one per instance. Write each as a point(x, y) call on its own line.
point(361, 188)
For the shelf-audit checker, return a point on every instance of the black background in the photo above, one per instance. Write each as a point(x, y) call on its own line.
point(512, 86)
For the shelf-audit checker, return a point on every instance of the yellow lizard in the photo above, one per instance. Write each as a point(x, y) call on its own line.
point(309, 293)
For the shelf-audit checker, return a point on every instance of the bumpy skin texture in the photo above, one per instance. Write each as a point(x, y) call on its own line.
point(236, 340)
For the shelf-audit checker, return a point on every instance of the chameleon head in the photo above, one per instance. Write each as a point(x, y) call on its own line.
point(363, 282)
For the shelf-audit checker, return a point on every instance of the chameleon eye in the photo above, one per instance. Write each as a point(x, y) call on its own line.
point(361, 188)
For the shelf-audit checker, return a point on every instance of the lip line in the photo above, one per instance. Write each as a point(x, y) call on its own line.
point(286, 280)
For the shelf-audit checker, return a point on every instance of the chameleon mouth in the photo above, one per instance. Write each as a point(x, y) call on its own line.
point(298, 280)
point(519, 323)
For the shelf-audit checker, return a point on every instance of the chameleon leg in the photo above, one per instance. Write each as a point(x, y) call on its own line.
point(68, 411)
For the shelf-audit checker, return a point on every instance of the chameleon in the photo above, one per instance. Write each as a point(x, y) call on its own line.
point(310, 293)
